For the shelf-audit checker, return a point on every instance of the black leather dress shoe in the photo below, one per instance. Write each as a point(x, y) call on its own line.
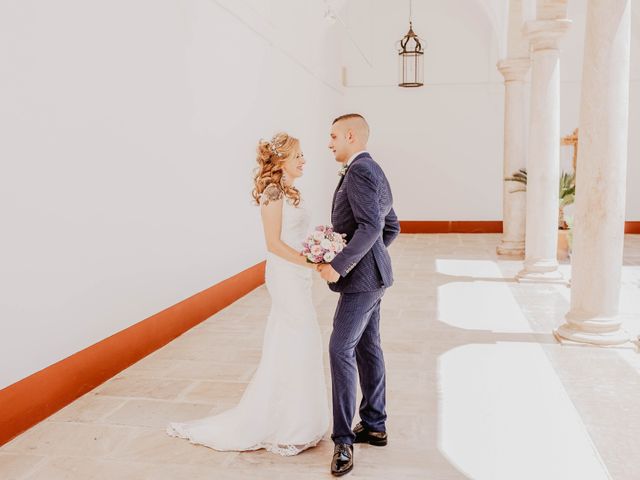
point(363, 435)
point(342, 459)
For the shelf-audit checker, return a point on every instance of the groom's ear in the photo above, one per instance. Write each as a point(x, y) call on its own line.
point(349, 135)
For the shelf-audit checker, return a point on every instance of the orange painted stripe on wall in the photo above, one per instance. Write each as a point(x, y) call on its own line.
point(632, 227)
point(456, 226)
point(34, 398)
point(487, 226)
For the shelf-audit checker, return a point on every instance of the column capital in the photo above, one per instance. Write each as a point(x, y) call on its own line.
point(514, 69)
point(544, 34)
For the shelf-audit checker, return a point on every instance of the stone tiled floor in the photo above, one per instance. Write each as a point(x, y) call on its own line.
point(477, 386)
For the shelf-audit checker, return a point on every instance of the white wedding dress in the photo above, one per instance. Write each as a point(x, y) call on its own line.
point(284, 408)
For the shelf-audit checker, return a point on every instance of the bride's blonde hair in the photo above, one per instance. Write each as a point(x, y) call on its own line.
point(271, 156)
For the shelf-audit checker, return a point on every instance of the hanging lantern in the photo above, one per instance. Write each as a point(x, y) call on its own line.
point(411, 58)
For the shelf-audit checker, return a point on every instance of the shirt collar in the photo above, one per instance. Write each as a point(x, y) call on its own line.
point(354, 156)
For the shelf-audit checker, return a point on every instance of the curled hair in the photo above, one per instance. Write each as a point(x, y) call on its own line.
point(271, 157)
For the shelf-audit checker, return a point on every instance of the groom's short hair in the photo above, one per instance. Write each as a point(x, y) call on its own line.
point(350, 116)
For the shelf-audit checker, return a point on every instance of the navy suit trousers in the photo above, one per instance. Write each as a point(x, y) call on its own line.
point(355, 350)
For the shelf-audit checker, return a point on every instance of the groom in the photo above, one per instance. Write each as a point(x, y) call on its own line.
point(362, 208)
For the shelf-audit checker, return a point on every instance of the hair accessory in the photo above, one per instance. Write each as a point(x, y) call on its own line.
point(274, 149)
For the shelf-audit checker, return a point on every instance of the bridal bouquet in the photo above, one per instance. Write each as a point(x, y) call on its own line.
point(323, 244)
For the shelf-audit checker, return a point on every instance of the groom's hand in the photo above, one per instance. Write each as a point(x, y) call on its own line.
point(328, 273)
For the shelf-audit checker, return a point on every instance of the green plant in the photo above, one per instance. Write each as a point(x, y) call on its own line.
point(566, 194)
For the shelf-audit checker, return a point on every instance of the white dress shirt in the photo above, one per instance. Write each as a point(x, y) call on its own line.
point(354, 156)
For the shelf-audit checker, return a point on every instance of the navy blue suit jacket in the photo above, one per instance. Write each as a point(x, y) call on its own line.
point(363, 209)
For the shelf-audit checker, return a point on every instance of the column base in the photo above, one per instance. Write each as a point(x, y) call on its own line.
point(540, 277)
point(544, 270)
point(511, 248)
point(572, 333)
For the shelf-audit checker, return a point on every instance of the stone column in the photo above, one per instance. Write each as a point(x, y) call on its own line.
point(514, 71)
point(601, 179)
point(543, 159)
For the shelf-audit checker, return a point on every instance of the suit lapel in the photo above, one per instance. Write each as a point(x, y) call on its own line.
point(333, 202)
point(342, 177)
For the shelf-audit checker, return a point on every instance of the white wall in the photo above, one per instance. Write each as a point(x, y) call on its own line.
point(128, 128)
point(127, 141)
point(441, 144)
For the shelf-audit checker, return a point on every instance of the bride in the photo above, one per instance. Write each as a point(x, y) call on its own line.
point(284, 408)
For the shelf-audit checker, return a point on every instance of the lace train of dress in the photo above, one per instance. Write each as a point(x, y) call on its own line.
point(284, 408)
